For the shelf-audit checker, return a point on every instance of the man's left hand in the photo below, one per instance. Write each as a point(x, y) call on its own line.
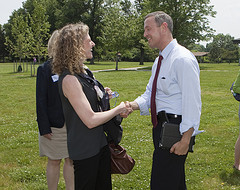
point(180, 148)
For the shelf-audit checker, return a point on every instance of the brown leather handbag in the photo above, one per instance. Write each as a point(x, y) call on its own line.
point(121, 162)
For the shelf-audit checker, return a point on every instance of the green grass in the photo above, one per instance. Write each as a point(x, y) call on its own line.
point(208, 168)
point(112, 65)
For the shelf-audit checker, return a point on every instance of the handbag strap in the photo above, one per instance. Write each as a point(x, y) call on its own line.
point(104, 101)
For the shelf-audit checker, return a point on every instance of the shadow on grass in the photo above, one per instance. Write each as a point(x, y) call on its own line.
point(232, 178)
point(204, 67)
point(25, 77)
point(99, 63)
point(125, 70)
point(20, 75)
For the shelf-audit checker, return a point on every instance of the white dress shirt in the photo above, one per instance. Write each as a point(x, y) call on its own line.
point(178, 87)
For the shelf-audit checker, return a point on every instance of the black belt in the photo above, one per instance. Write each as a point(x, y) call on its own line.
point(163, 116)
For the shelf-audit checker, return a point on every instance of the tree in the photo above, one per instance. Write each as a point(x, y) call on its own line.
point(9, 36)
point(119, 28)
point(139, 40)
point(189, 17)
point(53, 9)
point(39, 27)
point(95, 22)
point(222, 48)
point(190, 23)
point(50, 6)
point(27, 31)
point(197, 48)
point(3, 51)
point(89, 12)
point(19, 45)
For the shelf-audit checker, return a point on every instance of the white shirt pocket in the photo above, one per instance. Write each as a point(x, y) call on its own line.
point(163, 84)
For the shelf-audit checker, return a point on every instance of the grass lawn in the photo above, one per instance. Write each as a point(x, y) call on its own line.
point(208, 168)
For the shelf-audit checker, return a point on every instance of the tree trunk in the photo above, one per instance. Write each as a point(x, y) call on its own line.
point(116, 63)
point(141, 56)
point(92, 61)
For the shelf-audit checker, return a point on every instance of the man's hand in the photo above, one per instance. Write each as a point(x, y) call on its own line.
point(130, 110)
point(181, 147)
point(133, 105)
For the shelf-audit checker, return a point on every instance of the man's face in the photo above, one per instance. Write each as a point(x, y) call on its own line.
point(88, 44)
point(152, 32)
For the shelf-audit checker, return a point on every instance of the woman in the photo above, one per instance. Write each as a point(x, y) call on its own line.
point(50, 118)
point(236, 89)
point(81, 96)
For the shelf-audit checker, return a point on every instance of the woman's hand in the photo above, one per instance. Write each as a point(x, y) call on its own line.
point(127, 109)
point(109, 91)
point(48, 136)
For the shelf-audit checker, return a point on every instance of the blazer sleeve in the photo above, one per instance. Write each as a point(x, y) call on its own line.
point(236, 86)
point(42, 101)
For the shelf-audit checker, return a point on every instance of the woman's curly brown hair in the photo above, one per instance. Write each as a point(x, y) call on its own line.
point(69, 53)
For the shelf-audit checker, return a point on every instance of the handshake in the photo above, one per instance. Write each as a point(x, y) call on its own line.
point(126, 109)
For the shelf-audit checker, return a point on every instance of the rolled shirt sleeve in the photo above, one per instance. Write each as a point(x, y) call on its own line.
point(236, 86)
point(189, 83)
point(143, 105)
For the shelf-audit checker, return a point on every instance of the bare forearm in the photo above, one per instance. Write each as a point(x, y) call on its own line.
point(98, 118)
point(187, 135)
point(134, 105)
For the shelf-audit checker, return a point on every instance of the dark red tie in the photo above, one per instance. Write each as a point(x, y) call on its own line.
point(153, 95)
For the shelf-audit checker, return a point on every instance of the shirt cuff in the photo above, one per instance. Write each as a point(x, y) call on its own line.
point(144, 110)
point(185, 127)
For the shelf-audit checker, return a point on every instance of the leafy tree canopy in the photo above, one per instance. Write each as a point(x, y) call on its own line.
point(190, 23)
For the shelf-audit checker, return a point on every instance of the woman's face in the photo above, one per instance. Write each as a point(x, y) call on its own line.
point(88, 44)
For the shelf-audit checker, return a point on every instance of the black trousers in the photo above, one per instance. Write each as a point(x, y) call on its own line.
point(93, 173)
point(168, 172)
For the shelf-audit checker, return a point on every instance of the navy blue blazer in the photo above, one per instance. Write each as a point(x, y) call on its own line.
point(49, 105)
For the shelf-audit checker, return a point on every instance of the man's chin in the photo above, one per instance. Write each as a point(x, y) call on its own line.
point(150, 45)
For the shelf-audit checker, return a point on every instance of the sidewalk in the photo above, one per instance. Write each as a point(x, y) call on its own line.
point(121, 69)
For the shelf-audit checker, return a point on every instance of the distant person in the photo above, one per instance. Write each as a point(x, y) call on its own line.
point(50, 118)
point(34, 60)
point(236, 89)
point(19, 68)
point(81, 96)
point(174, 95)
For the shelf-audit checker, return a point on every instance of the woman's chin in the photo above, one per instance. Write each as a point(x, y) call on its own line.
point(90, 56)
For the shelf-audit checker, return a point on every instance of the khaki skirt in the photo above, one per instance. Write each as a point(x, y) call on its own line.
point(56, 148)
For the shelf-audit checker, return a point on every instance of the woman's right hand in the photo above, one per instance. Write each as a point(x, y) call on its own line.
point(126, 109)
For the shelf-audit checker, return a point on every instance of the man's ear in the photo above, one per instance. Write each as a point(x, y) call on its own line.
point(164, 26)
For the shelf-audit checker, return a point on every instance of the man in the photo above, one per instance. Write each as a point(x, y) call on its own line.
point(177, 99)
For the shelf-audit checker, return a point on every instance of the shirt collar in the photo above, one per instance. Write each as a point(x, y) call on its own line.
point(168, 48)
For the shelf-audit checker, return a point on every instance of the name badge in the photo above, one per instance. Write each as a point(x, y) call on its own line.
point(99, 92)
point(55, 78)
